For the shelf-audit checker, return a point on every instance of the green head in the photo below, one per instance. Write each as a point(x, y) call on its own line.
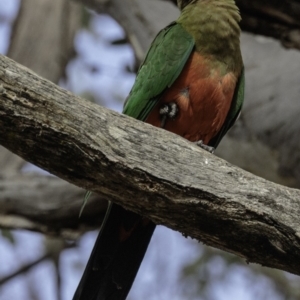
point(183, 3)
point(214, 25)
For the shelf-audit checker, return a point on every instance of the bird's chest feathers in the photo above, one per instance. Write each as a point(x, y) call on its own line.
point(203, 96)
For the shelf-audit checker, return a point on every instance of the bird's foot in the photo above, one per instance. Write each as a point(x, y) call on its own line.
point(168, 110)
point(205, 147)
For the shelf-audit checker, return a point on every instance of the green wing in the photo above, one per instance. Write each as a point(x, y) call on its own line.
point(234, 111)
point(163, 63)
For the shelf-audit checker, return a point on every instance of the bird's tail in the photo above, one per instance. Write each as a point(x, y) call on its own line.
point(116, 256)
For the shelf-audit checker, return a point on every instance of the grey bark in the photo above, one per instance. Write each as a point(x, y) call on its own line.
point(47, 204)
point(43, 34)
point(148, 170)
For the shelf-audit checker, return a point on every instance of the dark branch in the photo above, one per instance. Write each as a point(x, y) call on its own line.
point(23, 269)
point(276, 19)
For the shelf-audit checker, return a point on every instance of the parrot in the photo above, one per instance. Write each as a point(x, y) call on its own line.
point(191, 83)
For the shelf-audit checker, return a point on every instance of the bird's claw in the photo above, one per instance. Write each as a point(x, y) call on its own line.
point(168, 110)
point(205, 147)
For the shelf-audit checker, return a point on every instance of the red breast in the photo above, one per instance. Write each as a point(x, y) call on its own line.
point(203, 97)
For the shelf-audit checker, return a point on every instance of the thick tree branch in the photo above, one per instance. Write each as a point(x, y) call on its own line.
point(148, 170)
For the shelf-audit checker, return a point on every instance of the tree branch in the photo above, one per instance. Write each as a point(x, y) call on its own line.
point(23, 269)
point(47, 204)
point(276, 19)
point(141, 19)
point(148, 170)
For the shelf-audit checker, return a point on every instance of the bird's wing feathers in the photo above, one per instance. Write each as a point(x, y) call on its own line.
point(163, 63)
point(234, 111)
